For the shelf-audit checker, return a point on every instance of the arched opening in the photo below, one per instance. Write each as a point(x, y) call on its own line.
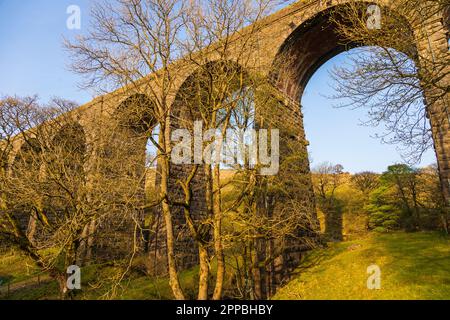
point(138, 125)
point(25, 174)
point(69, 145)
point(221, 95)
point(128, 165)
point(215, 98)
point(27, 157)
point(66, 185)
point(343, 134)
point(218, 97)
point(65, 169)
point(317, 40)
point(311, 48)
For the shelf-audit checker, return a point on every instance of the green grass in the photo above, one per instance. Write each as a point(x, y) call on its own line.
point(145, 288)
point(414, 266)
point(21, 274)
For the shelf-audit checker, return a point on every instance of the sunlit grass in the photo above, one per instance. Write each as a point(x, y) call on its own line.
point(413, 266)
point(22, 276)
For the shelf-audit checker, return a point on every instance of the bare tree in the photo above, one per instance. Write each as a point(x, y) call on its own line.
point(389, 76)
point(57, 188)
point(146, 45)
point(43, 187)
point(136, 44)
point(366, 182)
point(327, 178)
point(149, 47)
point(401, 76)
point(220, 94)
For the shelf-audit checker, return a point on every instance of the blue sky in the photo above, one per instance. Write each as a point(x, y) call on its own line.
point(33, 61)
point(336, 134)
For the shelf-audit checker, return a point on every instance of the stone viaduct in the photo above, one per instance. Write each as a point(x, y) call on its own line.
point(302, 29)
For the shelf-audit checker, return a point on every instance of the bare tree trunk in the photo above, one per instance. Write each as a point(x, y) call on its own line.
point(170, 241)
point(31, 232)
point(84, 254)
point(90, 241)
point(218, 246)
point(204, 273)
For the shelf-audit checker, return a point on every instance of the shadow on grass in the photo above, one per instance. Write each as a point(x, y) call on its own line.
point(319, 256)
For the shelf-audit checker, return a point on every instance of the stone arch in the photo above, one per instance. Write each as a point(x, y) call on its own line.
point(26, 154)
point(132, 122)
point(199, 88)
point(122, 164)
point(307, 47)
point(199, 92)
point(25, 167)
point(4, 162)
point(203, 89)
point(190, 102)
point(66, 156)
point(313, 43)
point(71, 139)
point(135, 121)
point(136, 113)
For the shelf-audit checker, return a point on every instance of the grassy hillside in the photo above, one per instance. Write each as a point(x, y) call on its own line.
point(413, 266)
point(27, 283)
